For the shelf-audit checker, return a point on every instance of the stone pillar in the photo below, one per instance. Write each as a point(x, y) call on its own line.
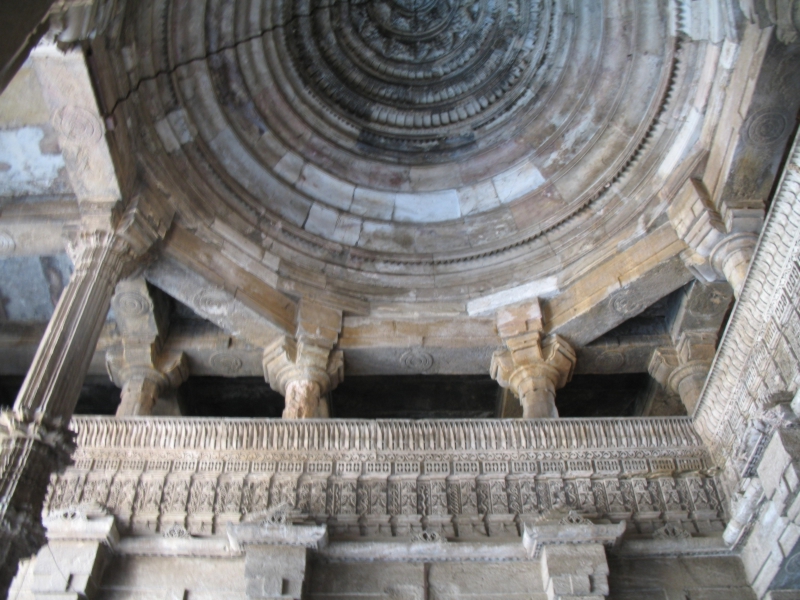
point(34, 436)
point(572, 554)
point(721, 244)
point(533, 366)
point(139, 366)
point(276, 553)
point(72, 564)
point(683, 370)
point(305, 370)
point(575, 572)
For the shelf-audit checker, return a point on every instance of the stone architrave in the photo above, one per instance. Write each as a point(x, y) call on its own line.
point(533, 366)
point(306, 369)
point(721, 244)
point(34, 439)
point(140, 367)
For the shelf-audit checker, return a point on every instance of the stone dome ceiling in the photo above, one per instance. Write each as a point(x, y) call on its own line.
point(409, 145)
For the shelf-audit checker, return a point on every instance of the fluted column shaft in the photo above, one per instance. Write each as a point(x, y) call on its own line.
point(34, 440)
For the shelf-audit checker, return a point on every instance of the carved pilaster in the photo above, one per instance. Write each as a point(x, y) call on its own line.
point(305, 370)
point(35, 441)
point(79, 543)
point(276, 553)
point(721, 244)
point(30, 449)
point(533, 366)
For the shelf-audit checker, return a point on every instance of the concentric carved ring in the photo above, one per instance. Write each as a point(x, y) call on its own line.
point(7, 243)
point(213, 302)
point(416, 360)
point(226, 362)
point(131, 304)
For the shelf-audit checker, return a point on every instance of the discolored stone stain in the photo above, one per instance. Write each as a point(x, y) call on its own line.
point(52, 275)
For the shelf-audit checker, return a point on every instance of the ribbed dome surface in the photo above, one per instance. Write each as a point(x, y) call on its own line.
point(372, 133)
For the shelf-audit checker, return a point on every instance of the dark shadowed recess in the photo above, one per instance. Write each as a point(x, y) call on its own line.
point(370, 397)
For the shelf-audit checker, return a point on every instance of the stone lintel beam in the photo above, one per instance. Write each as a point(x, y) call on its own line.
point(617, 289)
point(532, 366)
point(37, 228)
point(720, 243)
point(235, 273)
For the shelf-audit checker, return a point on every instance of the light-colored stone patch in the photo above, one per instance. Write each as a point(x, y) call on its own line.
point(29, 170)
point(21, 103)
point(321, 220)
point(373, 204)
point(517, 182)
point(427, 208)
point(328, 189)
point(478, 198)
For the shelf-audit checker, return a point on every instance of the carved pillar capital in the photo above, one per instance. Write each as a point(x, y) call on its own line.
point(721, 244)
point(302, 372)
point(533, 366)
point(683, 369)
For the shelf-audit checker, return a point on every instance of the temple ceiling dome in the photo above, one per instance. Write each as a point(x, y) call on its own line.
point(458, 134)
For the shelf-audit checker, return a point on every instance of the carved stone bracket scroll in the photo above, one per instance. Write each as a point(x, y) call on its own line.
point(139, 366)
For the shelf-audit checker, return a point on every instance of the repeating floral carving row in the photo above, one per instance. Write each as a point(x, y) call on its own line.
point(362, 491)
point(387, 436)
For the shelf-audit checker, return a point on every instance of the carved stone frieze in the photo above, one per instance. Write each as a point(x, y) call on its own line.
point(396, 478)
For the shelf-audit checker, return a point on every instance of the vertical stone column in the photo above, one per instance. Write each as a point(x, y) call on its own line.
point(276, 554)
point(721, 243)
point(305, 370)
point(139, 366)
point(34, 436)
point(683, 370)
point(533, 366)
point(72, 563)
point(572, 554)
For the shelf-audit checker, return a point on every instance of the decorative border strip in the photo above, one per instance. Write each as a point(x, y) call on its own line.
point(384, 436)
point(758, 355)
point(390, 478)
